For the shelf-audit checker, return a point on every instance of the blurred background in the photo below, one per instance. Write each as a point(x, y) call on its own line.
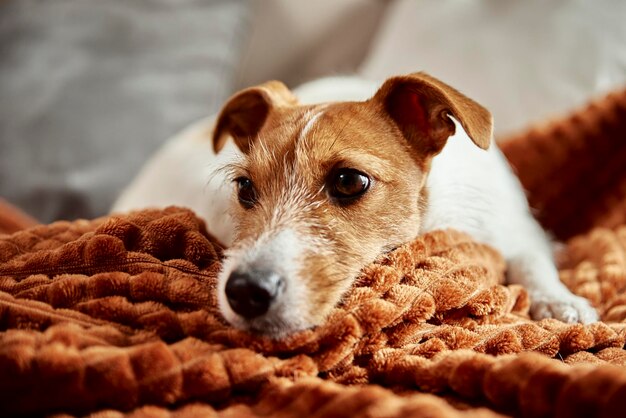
point(89, 89)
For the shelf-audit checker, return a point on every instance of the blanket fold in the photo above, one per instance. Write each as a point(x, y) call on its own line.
point(118, 314)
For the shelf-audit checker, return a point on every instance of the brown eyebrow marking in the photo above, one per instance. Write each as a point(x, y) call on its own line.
point(379, 168)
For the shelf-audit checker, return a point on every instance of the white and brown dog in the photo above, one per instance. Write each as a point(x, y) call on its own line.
point(330, 177)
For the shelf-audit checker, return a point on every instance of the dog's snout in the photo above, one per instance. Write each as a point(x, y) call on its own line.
point(250, 294)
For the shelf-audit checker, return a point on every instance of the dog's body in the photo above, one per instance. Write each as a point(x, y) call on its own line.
point(290, 224)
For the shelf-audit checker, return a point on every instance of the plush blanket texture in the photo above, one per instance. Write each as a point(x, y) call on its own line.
point(117, 316)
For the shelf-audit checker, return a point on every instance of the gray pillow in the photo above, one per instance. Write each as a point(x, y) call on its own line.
point(90, 89)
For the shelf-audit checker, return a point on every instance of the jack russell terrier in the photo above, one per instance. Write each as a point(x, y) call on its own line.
point(330, 177)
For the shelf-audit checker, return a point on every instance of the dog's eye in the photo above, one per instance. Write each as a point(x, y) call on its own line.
point(348, 183)
point(245, 192)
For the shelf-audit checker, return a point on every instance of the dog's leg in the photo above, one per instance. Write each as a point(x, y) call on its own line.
point(532, 266)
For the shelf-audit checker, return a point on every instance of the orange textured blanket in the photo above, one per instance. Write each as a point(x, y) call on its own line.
point(118, 315)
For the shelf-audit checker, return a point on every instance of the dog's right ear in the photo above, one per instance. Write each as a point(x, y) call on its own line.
point(245, 113)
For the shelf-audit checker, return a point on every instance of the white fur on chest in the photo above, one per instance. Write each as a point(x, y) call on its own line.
point(474, 191)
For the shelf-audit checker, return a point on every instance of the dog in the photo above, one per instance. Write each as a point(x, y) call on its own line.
point(307, 188)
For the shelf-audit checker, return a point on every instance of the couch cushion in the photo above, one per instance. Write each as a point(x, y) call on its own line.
point(89, 89)
point(298, 41)
point(523, 60)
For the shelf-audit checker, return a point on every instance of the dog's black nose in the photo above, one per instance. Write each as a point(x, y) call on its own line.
point(250, 294)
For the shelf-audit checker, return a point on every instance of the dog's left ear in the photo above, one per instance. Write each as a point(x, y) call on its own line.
point(421, 106)
point(245, 113)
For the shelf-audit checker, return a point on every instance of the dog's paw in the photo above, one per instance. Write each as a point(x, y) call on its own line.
point(564, 307)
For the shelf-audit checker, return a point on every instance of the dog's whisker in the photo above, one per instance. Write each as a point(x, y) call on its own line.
point(338, 135)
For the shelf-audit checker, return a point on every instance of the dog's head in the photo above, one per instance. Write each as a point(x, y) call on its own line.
point(324, 189)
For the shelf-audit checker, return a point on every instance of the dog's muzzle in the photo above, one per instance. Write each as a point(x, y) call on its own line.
point(251, 293)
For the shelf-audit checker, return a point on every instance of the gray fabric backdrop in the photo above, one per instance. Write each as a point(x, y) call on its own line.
point(89, 89)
